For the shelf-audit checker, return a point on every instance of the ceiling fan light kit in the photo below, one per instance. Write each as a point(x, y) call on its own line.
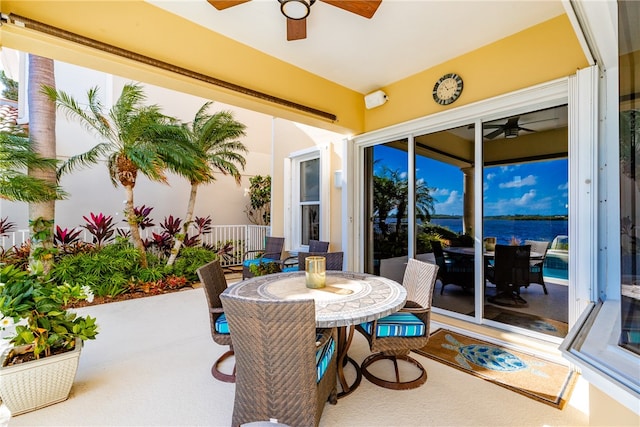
point(296, 9)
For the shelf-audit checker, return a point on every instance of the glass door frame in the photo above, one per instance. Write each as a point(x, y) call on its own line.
point(546, 95)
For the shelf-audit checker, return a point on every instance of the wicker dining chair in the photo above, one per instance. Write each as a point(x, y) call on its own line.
point(394, 336)
point(457, 270)
point(536, 265)
point(291, 263)
point(509, 272)
point(334, 260)
point(214, 283)
point(286, 369)
point(272, 252)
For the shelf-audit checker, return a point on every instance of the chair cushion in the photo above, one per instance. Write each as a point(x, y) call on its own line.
point(221, 325)
point(255, 261)
point(397, 325)
point(290, 269)
point(323, 357)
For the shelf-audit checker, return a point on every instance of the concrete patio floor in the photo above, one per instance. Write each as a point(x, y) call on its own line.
point(150, 366)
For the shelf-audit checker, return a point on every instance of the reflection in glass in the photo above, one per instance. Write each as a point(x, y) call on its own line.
point(629, 46)
point(525, 205)
point(388, 205)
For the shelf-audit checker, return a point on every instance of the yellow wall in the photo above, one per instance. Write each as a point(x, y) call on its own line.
point(545, 52)
point(143, 28)
point(604, 411)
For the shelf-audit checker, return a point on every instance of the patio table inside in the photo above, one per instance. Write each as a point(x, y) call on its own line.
point(347, 299)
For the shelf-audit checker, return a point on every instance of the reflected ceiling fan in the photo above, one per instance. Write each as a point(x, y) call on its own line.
point(296, 11)
point(511, 129)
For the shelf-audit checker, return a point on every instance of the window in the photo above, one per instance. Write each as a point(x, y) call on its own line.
point(309, 200)
point(307, 216)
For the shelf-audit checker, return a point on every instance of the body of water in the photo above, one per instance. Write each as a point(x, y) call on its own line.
point(505, 230)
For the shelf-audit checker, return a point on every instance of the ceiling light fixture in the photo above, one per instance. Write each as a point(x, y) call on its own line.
point(296, 9)
point(511, 133)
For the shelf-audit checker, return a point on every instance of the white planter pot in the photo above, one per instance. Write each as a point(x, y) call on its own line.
point(38, 383)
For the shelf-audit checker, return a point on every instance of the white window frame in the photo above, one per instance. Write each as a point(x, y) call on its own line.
point(293, 220)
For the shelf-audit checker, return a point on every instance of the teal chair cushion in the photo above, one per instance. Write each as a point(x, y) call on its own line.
point(323, 357)
point(221, 325)
point(397, 325)
point(290, 269)
point(256, 261)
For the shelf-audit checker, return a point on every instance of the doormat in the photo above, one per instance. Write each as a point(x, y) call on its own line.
point(539, 379)
point(532, 322)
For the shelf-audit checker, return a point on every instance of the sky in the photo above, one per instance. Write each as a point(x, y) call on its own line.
point(535, 188)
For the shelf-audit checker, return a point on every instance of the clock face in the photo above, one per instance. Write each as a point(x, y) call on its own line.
point(447, 89)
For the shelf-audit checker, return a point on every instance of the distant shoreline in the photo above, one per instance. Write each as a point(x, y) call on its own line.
point(511, 217)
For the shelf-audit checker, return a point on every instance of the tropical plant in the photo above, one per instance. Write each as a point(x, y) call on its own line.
point(101, 228)
point(142, 216)
point(32, 312)
point(259, 209)
point(135, 139)
point(215, 137)
point(16, 154)
point(64, 236)
point(10, 90)
point(191, 258)
point(6, 226)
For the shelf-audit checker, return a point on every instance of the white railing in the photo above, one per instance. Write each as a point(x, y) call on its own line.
point(240, 238)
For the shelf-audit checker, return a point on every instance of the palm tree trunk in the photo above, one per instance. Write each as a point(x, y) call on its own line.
point(42, 135)
point(133, 226)
point(187, 221)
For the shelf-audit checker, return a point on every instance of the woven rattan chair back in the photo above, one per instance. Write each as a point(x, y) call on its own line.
point(214, 283)
point(318, 246)
point(537, 265)
point(334, 260)
point(275, 344)
point(511, 266)
point(419, 280)
point(273, 247)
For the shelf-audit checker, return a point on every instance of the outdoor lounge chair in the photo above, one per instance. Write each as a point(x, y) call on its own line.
point(214, 283)
point(272, 252)
point(285, 369)
point(394, 336)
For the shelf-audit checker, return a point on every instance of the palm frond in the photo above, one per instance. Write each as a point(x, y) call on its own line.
point(17, 186)
point(87, 158)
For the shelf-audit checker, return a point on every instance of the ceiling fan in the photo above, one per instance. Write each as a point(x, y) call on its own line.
point(296, 11)
point(511, 129)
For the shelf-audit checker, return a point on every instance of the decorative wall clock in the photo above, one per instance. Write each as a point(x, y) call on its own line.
point(447, 89)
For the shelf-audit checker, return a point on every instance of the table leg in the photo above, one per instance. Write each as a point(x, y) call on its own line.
point(344, 341)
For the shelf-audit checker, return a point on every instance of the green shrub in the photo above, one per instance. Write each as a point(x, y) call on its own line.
point(189, 260)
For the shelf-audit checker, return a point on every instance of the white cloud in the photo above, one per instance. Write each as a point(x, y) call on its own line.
point(518, 182)
point(564, 186)
point(490, 176)
point(451, 206)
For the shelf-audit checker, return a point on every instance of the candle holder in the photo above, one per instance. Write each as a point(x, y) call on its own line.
point(315, 271)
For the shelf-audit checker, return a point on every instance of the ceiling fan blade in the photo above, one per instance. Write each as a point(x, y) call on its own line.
point(296, 29)
point(494, 133)
point(364, 8)
point(528, 130)
point(224, 4)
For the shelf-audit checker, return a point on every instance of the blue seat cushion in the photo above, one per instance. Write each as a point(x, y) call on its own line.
point(221, 325)
point(397, 325)
point(290, 269)
point(323, 357)
point(256, 261)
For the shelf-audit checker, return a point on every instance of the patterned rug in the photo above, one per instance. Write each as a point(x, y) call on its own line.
point(526, 321)
point(536, 378)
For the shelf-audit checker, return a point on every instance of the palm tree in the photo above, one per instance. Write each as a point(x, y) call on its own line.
point(133, 142)
point(215, 137)
point(16, 154)
point(42, 135)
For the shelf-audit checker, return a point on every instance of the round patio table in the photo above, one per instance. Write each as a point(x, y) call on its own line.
point(348, 299)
